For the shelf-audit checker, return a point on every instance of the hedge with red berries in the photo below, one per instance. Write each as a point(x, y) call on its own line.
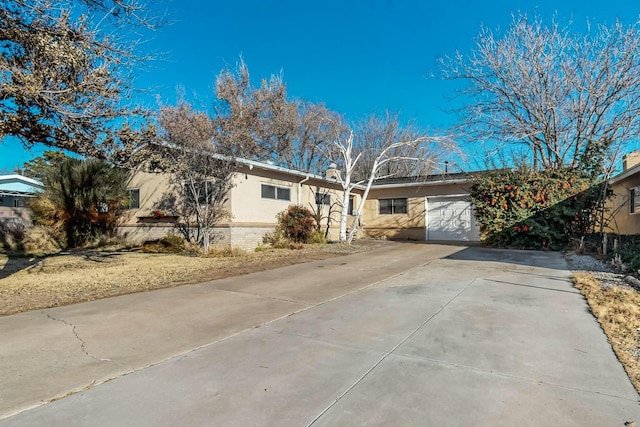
point(535, 209)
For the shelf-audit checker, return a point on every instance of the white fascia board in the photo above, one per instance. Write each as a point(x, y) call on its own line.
point(448, 196)
point(25, 179)
point(422, 183)
point(267, 166)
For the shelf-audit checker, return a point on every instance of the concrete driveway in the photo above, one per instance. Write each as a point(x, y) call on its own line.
point(408, 334)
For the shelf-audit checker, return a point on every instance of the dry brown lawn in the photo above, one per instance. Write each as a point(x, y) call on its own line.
point(618, 312)
point(55, 280)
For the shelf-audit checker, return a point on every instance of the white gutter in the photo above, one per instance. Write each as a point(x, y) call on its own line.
point(423, 183)
point(300, 189)
point(21, 178)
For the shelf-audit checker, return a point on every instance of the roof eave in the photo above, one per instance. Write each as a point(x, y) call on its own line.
point(625, 174)
point(423, 183)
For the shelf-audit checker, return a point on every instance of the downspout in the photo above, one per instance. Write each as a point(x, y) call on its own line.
point(300, 189)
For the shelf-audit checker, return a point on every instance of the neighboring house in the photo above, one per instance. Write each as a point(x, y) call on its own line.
point(433, 208)
point(14, 191)
point(624, 204)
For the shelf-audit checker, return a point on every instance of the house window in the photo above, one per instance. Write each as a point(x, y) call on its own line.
point(134, 198)
point(392, 206)
point(351, 205)
point(18, 202)
point(323, 199)
point(634, 200)
point(276, 193)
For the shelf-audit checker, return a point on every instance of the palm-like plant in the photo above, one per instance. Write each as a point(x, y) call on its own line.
point(83, 199)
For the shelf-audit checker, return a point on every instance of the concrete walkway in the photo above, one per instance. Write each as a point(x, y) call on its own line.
point(408, 334)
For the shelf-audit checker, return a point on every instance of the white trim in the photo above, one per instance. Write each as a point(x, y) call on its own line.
point(16, 194)
point(450, 196)
point(632, 202)
point(422, 183)
point(426, 218)
point(21, 178)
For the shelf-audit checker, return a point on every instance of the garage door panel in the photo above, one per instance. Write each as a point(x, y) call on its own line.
point(450, 219)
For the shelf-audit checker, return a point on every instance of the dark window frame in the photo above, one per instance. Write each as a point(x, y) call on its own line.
point(280, 193)
point(396, 206)
point(323, 198)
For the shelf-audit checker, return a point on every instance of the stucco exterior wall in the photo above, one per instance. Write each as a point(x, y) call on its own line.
point(250, 209)
point(152, 187)
point(621, 220)
point(247, 205)
point(411, 225)
point(251, 215)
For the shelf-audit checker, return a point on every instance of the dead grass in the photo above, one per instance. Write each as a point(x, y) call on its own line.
point(618, 312)
point(29, 283)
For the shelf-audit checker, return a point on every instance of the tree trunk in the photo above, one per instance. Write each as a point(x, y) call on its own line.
point(343, 217)
point(365, 195)
point(205, 236)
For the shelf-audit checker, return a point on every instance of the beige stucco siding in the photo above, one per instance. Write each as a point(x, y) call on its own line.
point(247, 203)
point(403, 226)
point(152, 187)
point(251, 214)
point(621, 220)
point(249, 207)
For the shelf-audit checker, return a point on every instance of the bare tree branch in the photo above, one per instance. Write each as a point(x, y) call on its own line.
point(202, 172)
point(64, 83)
point(570, 98)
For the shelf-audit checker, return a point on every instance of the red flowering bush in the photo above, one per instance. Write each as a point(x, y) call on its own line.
point(297, 223)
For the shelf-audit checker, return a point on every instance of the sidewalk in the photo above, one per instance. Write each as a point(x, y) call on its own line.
point(48, 354)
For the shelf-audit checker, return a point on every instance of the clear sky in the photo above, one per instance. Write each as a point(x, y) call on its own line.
point(357, 57)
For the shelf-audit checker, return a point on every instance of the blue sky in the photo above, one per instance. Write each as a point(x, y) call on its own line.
point(358, 57)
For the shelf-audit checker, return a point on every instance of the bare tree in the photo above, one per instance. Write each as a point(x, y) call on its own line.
point(201, 173)
point(375, 133)
point(349, 157)
point(65, 75)
point(317, 128)
point(261, 122)
point(569, 98)
point(255, 122)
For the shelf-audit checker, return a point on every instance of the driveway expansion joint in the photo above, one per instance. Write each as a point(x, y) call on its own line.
point(511, 376)
point(375, 365)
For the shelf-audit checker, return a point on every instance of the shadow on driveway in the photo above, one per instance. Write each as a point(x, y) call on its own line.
point(544, 259)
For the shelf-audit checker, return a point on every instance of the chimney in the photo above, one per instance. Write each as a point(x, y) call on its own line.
point(333, 173)
point(630, 160)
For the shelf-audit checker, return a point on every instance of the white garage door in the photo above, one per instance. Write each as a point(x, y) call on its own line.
point(450, 218)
